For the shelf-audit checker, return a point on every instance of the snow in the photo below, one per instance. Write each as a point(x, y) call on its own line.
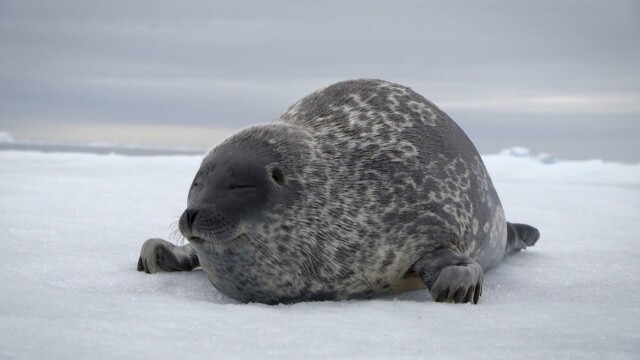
point(518, 151)
point(71, 227)
point(5, 137)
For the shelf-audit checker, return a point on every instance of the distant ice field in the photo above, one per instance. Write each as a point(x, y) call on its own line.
point(71, 228)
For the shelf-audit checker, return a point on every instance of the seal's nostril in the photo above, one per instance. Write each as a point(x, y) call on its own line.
point(190, 214)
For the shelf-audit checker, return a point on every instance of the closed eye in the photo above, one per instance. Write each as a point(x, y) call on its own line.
point(241, 186)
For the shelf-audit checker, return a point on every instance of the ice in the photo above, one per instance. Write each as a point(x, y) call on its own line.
point(71, 227)
point(522, 152)
point(517, 151)
point(546, 158)
point(5, 137)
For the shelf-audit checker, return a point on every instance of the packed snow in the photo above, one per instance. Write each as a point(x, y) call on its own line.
point(72, 226)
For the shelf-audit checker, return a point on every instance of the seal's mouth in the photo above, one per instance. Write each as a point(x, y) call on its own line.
point(200, 241)
point(197, 240)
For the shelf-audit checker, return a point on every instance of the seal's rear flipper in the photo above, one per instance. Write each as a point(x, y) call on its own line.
point(520, 236)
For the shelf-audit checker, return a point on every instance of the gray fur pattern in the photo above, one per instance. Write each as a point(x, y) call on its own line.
point(378, 191)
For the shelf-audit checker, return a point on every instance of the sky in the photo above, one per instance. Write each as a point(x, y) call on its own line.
point(555, 76)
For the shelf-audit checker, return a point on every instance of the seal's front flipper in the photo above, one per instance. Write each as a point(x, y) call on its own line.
point(158, 253)
point(450, 276)
point(519, 236)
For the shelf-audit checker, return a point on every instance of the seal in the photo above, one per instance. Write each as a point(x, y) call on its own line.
point(359, 189)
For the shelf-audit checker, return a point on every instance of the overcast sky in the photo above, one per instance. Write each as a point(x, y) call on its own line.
point(557, 76)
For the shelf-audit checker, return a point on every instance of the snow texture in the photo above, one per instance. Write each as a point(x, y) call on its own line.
point(72, 226)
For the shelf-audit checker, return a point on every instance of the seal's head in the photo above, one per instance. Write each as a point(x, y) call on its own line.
point(240, 182)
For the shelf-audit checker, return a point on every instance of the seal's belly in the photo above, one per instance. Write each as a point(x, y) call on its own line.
point(255, 276)
point(257, 272)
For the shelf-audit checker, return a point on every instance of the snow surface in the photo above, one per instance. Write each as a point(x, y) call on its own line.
point(72, 225)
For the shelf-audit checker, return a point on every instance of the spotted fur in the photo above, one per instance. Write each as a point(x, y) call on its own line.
point(359, 189)
point(375, 177)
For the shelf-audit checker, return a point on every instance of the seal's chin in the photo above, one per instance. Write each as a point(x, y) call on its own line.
point(196, 240)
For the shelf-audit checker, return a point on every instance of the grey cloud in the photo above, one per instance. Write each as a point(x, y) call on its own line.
point(227, 63)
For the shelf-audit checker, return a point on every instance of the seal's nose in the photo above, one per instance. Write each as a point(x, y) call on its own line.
point(190, 216)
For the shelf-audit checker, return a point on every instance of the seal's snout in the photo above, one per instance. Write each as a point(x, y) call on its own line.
point(207, 224)
point(185, 224)
point(190, 217)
